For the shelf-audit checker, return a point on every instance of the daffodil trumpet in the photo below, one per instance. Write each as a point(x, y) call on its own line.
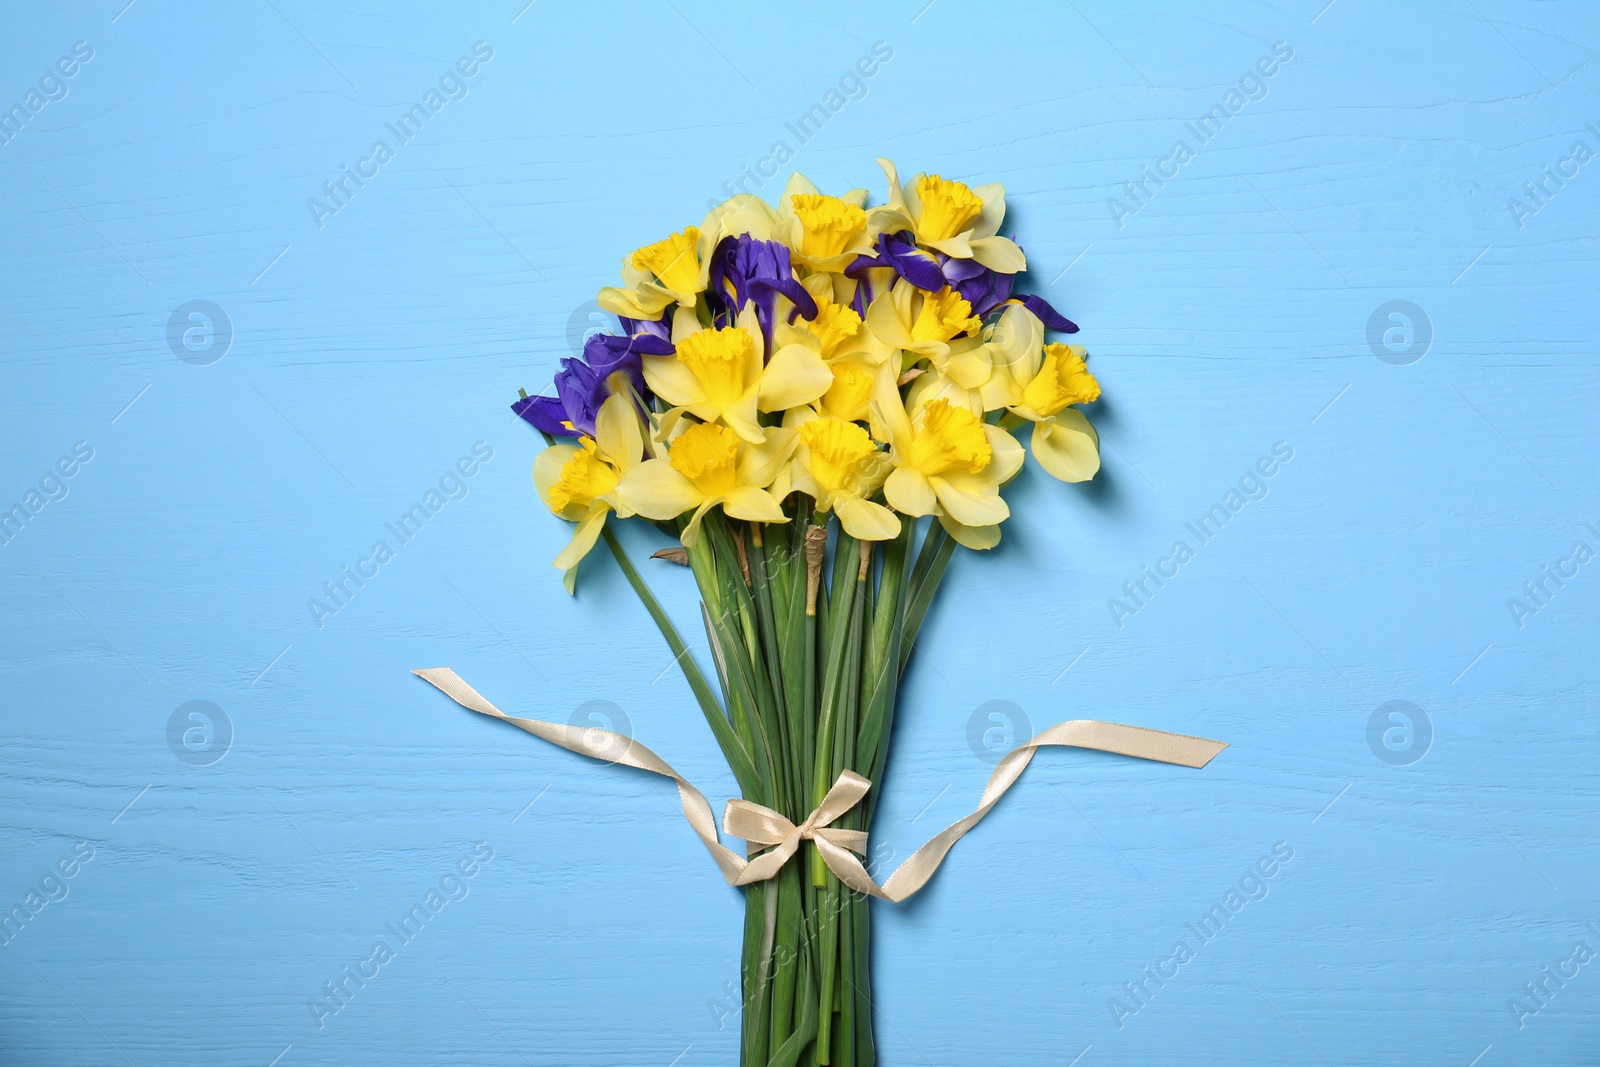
point(819, 399)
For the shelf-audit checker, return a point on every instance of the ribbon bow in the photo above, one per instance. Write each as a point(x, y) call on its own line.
point(761, 826)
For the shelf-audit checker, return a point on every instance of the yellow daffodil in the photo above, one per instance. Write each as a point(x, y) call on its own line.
point(825, 233)
point(948, 462)
point(707, 465)
point(673, 270)
point(1040, 383)
point(1063, 379)
point(950, 217)
point(717, 375)
point(941, 316)
point(853, 353)
point(579, 482)
point(937, 326)
point(743, 214)
point(835, 330)
point(850, 395)
point(926, 386)
point(840, 466)
point(835, 327)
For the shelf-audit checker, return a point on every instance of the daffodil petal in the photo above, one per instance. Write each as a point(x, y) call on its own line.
point(908, 492)
point(886, 219)
point(691, 532)
point(672, 381)
point(820, 286)
point(1015, 352)
point(583, 538)
point(993, 196)
point(865, 520)
point(886, 319)
point(798, 185)
point(890, 423)
point(1006, 453)
point(956, 247)
point(911, 199)
point(968, 504)
point(968, 366)
point(999, 254)
point(756, 505)
point(795, 375)
point(930, 387)
point(897, 201)
point(741, 419)
point(754, 355)
point(644, 302)
point(800, 481)
point(617, 434)
point(1067, 447)
point(744, 213)
point(974, 537)
point(759, 463)
point(684, 323)
point(656, 491)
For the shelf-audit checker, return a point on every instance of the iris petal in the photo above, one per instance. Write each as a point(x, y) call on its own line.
point(910, 262)
point(1052, 319)
point(546, 413)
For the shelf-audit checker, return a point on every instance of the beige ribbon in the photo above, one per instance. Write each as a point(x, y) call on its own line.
point(761, 827)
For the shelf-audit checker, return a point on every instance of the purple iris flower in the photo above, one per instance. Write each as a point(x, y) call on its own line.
point(991, 289)
point(581, 383)
point(653, 327)
point(986, 291)
point(921, 269)
point(930, 271)
point(745, 269)
point(861, 269)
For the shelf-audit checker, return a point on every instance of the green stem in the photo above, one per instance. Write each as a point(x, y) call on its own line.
point(756, 973)
point(861, 912)
point(786, 958)
point(881, 664)
point(923, 587)
point(739, 761)
point(771, 665)
point(846, 697)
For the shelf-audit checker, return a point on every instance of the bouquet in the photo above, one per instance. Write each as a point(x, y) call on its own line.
point(817, 401)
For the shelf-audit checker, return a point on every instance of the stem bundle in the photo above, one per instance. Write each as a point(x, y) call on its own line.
point(809, 642)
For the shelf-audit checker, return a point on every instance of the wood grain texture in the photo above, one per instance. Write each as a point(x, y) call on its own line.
point(1228, 313)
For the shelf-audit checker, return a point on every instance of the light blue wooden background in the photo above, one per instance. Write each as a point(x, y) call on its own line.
point(367, 355)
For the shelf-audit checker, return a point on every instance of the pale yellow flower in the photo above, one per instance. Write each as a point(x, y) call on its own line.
point(707, 465)
point(939, 327)
point(1041, 383)
point(673, 270)
point(948, 462)
point(841, 467)
point(950, 217)
point(718, 375)
point(579, 482)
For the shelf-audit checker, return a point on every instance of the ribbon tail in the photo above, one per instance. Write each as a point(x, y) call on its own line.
point(768, 864)
point(1136, 741)
point(579, 739)
point(848, 869)
point(854, 840)
point(760, 825)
